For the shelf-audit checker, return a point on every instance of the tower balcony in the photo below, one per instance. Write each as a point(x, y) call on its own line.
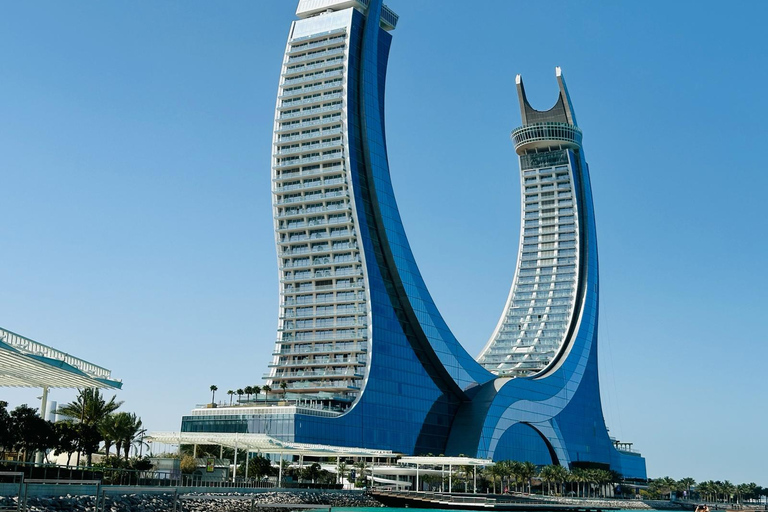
point(543, 135)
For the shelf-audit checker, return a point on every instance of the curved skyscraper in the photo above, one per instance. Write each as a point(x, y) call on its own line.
point(548, 282)
point(363, 357)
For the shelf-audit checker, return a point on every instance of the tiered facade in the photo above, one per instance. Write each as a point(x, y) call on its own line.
point(322, 345)
point(541, 305)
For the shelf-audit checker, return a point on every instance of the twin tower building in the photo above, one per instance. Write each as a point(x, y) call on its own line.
point(363, 357)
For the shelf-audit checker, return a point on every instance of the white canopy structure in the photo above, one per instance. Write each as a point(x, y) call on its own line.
point(443, 462)
point(27, 363)
point(265, 444)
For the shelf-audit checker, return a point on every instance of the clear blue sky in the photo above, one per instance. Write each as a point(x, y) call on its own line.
point(136, 222)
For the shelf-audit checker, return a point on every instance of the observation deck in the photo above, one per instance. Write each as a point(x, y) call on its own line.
point(543, 135)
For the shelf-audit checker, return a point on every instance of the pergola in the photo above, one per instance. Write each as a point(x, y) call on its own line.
point(27, 363)
point(264, 443)
point(446, 461)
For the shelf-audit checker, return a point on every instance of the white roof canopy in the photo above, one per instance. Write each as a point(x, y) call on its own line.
point(263, 443)
point(445, 461)
point(27, 363)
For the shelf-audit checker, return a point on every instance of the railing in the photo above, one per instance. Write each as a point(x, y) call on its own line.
point(317, 55)
point(333, 155)
point(315, 99)
point(336, 84)
point(338, 312)
point(306, 124)
point(357, 347)
point(311, 211)
point(312, 78)
point(549, 131)
point(303, 69)
point(309, 112)
point(321, 276)
point(293, 173)
point(319, 44)
point(312, 135)
point(333, 336)
point(31, 347)
point(291, 301)
point(318, 35)
point(311, 184)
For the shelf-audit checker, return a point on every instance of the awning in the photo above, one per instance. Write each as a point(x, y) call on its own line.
point(27, 363)
point(263, 443)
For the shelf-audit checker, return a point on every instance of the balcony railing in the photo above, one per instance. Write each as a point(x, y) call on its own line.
point(306, 124)
point(546, 132)
point(307, 101)
point(336, 84)
point(312, 78)
point(312, 135)
point(308, 112)
point(326, 42)
point(317, 55)
point(333, 155)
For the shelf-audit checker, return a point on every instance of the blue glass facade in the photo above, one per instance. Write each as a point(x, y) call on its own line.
point(419, 391)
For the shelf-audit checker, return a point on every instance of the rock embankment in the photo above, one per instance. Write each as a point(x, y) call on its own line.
point(207, 502)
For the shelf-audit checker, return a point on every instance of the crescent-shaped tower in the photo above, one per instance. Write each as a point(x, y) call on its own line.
point(363, 357)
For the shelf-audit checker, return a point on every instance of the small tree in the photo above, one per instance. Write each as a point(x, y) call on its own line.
point(362, 467)
point(342, 471)
point(7, 433)
point(311, 472)
point(231, 394)
point(258, 467)
point(188, 464)
point(240, 392)
point(31, 432)
point(67, 438)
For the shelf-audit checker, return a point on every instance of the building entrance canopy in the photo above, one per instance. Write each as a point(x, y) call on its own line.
point(27, 363)
point(265, 444)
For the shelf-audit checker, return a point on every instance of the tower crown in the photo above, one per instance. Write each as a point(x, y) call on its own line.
point(542, 129)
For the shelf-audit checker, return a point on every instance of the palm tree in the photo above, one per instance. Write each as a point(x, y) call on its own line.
point(548, 475)
point(727, 489)
point(214, 389)
point(507, 470)
point(687, 484)
point(129, 432)
point(362, 467)
point(256, 391)
point(90, 408)
point(266, 388)
point(579, 476)
point(706, 490)
point(240, 394)
point(283, 386)
point(514, 469)
point(527, 471)
point(497, 470)
point(231, 394)
point(108, 429)
point(248, 391)
point(342, 470)
point(561, 476)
